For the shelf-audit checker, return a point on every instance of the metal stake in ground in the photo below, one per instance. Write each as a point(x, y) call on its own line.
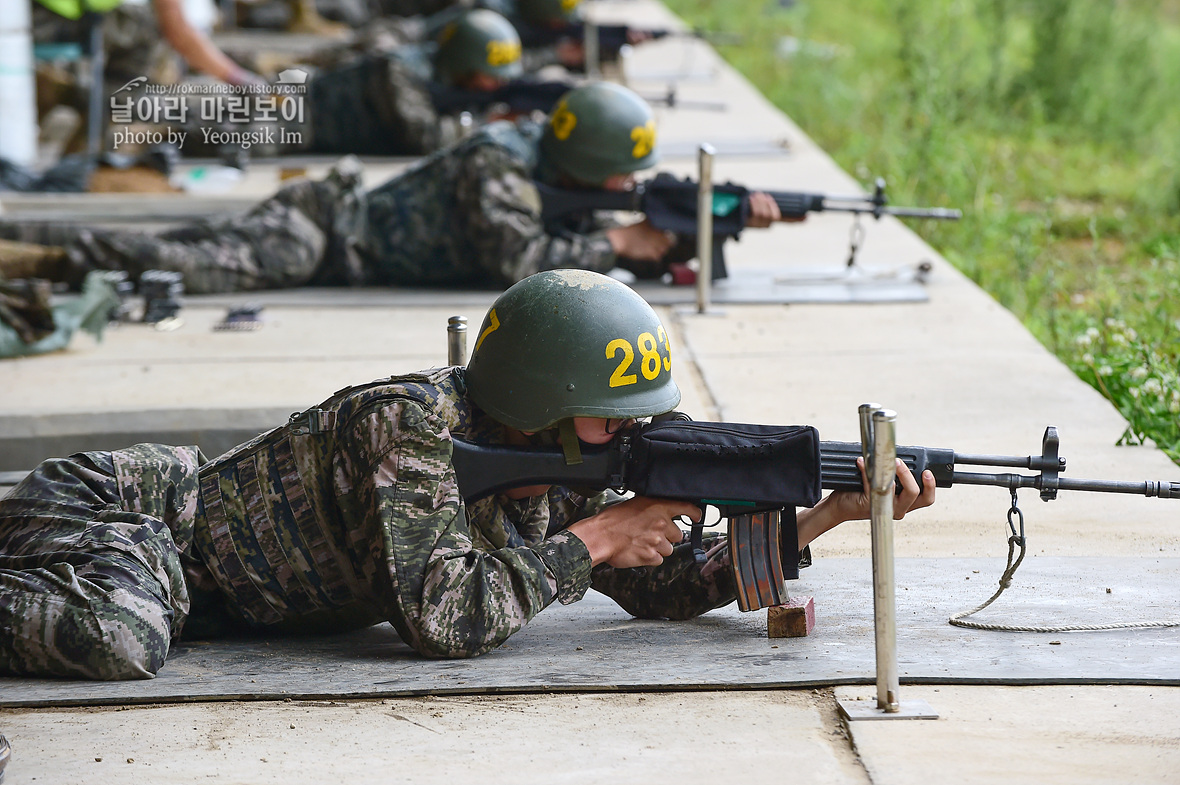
point(705, 227)
point(457, 340)
point(879, 447)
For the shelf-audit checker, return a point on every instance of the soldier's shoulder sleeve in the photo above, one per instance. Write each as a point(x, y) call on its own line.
point(448, 597)
point(679, 588)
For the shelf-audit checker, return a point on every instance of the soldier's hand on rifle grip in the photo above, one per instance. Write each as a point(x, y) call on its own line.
point(639, 532)
point(640, 241)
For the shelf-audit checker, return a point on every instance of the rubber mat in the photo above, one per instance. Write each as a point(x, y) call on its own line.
point(595, 646)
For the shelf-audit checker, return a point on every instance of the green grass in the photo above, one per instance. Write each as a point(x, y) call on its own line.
point(1053, 124)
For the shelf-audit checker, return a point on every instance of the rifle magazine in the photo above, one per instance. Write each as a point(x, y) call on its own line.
point(756, 557)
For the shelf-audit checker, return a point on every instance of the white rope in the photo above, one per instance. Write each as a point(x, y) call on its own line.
point(1006, 581)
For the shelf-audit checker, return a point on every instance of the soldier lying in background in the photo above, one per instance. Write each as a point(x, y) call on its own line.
point(380, 102)
point(468, 215)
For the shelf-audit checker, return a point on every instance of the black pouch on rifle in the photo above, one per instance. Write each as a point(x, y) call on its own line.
point(756, 475)
point(737, 467)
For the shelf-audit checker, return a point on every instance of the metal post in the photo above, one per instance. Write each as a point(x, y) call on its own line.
point(705, 227)
point(879, 447)
point(457, 340)
point(590, 51)
point(94, 116)
point(466, 124)
point(881, 473)
point(18, 101)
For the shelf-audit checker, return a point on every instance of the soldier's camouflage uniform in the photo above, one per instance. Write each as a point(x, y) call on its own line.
point(466, 215)
point(377, 104)
point(103, 556)
point(372, 103)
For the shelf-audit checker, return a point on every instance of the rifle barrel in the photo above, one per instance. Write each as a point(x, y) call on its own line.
point(1151, 488)
point(867, 206)
point(1159, 488)
point(839, 472)
point(797, 204)
point(941, 213)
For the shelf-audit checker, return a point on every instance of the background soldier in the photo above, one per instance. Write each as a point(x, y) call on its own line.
point(468, 215)
point(106, 557)
point(382, 103)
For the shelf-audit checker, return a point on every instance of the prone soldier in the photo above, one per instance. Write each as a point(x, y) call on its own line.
point(467, 215)
point(351, 515)
point(382, 103)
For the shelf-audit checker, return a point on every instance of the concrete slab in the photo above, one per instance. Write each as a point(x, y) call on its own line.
point(696, 738)
point(1033, 735)
point(261, 178)
point(196, 385)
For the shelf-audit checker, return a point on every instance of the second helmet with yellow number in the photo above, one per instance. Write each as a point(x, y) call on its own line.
point(599, 130)
point(478, 41)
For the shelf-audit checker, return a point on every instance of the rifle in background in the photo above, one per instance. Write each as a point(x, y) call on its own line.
point(671, 205)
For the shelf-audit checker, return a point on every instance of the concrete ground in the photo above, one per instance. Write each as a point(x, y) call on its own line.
point(960, 371)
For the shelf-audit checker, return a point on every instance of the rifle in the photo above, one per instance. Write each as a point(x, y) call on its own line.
point(671, 205)
point(523, 96)
point(755, 475)
point(611, 38)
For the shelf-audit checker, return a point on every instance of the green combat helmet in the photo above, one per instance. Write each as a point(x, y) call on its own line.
point(549, 12)
point(599, 130)
point(479, 41)
point(570, 343)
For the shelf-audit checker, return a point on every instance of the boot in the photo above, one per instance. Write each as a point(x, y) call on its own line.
point(26, 260)
point(306, 19)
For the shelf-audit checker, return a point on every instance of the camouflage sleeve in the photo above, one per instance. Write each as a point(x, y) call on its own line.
point(502, 214)
point(678, 588)
point(450, 598)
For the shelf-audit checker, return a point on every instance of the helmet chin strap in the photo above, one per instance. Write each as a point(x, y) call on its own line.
point(569, 442)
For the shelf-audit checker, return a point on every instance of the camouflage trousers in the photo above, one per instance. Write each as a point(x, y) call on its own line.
point(95, 570)
point(299, 236)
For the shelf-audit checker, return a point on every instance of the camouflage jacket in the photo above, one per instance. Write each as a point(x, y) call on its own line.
point(470, 215)
point(378, 104)
point(351, 515)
